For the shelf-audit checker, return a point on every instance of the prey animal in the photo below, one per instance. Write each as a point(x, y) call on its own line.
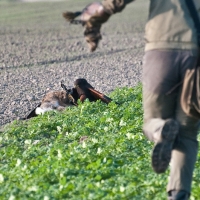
point(59, 100)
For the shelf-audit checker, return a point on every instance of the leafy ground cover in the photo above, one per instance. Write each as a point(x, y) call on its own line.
point(47, 158)
point(43, 158)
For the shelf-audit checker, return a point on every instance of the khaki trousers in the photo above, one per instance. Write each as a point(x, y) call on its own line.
point(162, 70)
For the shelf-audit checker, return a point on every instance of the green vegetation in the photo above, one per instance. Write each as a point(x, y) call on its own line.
point(43, 158)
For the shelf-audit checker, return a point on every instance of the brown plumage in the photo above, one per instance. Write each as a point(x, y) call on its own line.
point(59, 100)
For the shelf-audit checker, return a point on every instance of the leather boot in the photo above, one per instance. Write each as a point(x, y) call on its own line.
point(178, 195)
point(164, 143)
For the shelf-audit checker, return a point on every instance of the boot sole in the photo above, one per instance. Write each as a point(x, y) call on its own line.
point(161, 154)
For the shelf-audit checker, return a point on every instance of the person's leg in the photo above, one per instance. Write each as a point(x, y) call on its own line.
point(182, 165)
point(160, 75)
point(162, 70)
point(183, 156)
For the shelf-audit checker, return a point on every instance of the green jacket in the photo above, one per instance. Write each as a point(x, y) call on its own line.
point(169, 24)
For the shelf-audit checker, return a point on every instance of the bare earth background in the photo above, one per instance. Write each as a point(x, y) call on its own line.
point(38, 49)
